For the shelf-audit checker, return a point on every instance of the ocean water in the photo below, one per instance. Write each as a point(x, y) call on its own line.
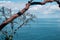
point(41, 29)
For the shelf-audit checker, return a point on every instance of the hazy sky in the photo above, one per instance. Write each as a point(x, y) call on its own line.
point(49, 10)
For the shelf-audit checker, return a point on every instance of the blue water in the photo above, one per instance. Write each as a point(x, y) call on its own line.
point(41, 29)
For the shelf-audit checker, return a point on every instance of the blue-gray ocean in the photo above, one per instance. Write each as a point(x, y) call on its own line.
point(41, 29)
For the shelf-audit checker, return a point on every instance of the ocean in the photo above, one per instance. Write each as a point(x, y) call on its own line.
point(41, 29)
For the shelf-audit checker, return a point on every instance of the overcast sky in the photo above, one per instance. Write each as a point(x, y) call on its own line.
point(49, 10)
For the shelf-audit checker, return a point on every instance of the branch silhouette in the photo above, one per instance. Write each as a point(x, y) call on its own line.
point(25, 22)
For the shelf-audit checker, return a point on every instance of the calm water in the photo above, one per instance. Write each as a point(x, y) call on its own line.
point(41, 29)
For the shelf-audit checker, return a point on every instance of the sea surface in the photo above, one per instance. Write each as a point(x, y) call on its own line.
point(41, 29)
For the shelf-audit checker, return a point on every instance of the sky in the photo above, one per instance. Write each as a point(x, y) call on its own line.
point(49, 10)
